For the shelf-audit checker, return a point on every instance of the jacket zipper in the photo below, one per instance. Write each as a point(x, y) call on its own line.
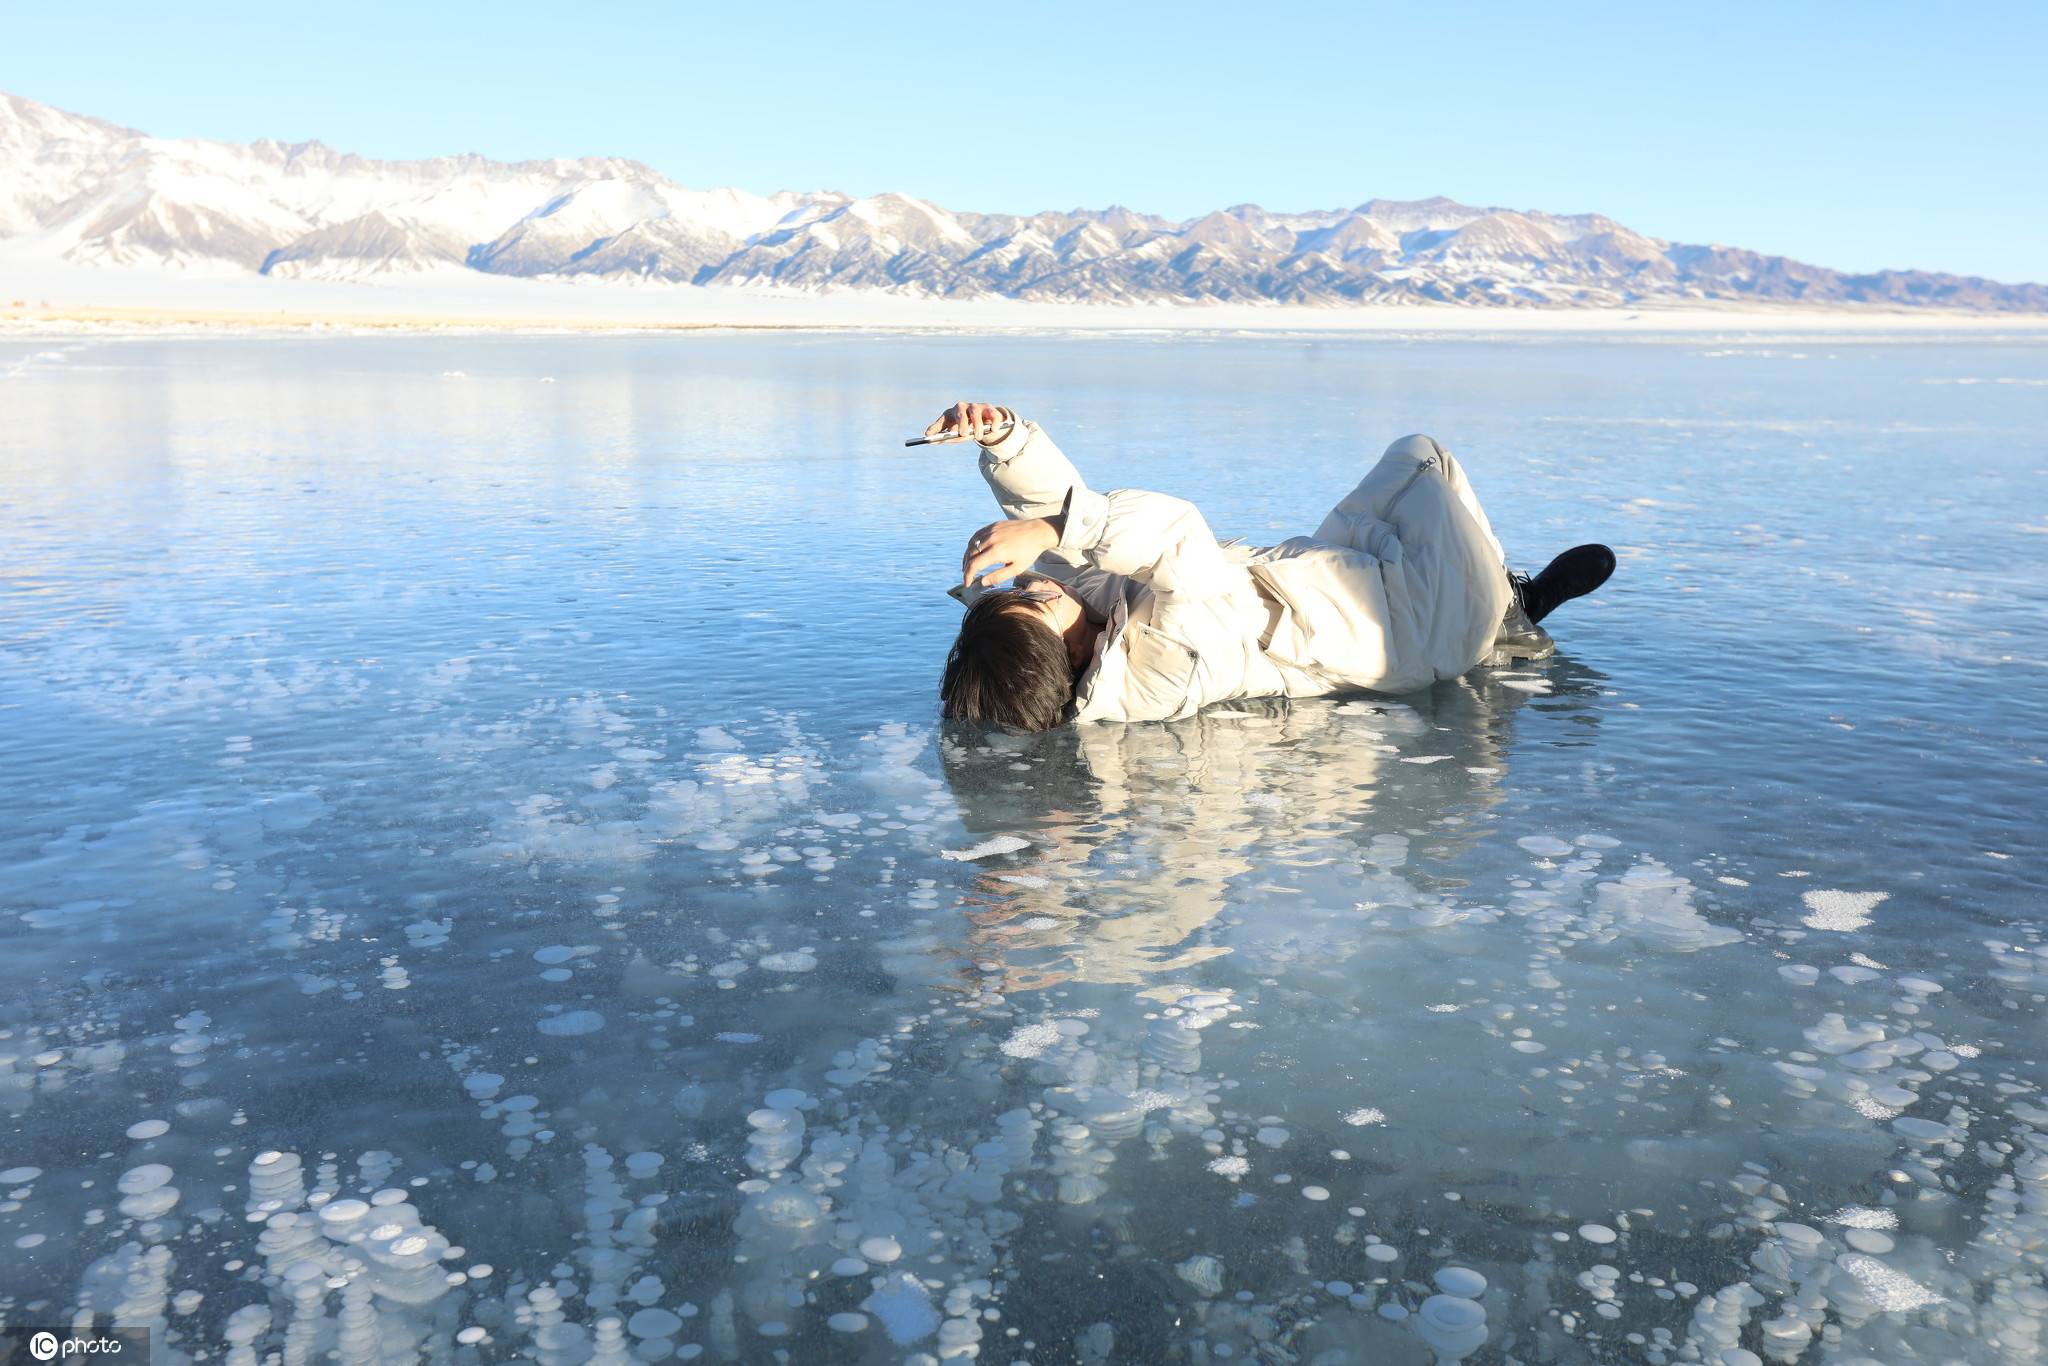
point(1424, 468)
point(1193, 653)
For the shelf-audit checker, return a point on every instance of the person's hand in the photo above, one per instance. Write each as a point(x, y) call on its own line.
point(964, 420)
point(1002, 549)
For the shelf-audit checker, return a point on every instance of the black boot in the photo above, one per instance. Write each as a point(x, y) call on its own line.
point(1573, 574)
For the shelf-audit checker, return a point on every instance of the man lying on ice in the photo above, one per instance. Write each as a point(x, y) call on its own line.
point(1125, 608)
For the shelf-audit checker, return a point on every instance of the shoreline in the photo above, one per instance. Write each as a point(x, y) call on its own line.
point(149, 303)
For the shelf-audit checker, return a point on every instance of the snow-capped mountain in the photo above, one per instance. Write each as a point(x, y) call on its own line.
point(84, 191)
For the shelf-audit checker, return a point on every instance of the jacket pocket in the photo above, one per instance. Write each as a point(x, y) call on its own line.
point(1160, 676)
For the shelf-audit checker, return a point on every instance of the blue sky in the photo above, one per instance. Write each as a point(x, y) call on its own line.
point(1855, 136)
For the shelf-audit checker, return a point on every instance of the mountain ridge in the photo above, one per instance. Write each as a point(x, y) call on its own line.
point(86, 191)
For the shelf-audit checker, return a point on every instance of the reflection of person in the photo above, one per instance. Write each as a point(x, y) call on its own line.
point(1137, 614)
point(1142, 836)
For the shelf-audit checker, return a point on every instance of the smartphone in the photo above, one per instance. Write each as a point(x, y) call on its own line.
point(949, 440)
point(1022, 578)
point(967, 597)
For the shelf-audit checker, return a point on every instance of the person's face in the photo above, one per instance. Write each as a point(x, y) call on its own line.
point(1055, 605)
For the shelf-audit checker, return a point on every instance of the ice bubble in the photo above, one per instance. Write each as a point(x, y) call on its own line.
point(770, 1121)
point(1920, 985)
point(1393, 1311)
point(1921, 1130)
point(881, 1249)
point(787, 1098)
point(905, 1309)
point(1544, 846)
point(148, 1128)
point(150, 1204)
point(470, 1335)
point(1205, 1274)
point(643, 1165)
point(337, 1213)
point(1462, 1281)
point(1597, 1233)
point(1843, 912)
point(482, 1084)
point(1314, 1193)
point(1382, 1252)
point(1804, 1239)
point(988, 848)
point(571, 1022)
point(1655, 906)
point(1739, 1356)
point(1835, 1035)
point(1868, 1240)
point(554, 953)
point(29, 1240)
point(797, 961)
point(1272, 1136)
point(1454, 1327)
point(19, 1176)
point(1800, 974)
point(1365, 1115)
point(847, 1323)
point(556, 975)
point(653, 1323)
point(143, 1179)
point(248, 1323)
point(849, 1266)
point(1232, 1167)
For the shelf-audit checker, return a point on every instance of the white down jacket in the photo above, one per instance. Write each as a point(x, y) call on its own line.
point(1402, 584)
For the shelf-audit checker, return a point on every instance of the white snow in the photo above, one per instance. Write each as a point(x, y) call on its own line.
point(1842, 912)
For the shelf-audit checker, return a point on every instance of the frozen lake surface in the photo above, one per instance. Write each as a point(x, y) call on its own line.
point(474, 874)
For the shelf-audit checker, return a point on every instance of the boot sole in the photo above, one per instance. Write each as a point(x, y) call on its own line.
point(1507, 655)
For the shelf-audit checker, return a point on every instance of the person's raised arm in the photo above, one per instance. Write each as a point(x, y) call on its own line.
point(1029, 475)
point(1153, 537)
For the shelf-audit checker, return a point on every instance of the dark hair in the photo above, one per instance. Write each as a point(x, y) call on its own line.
point(1007, 667)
